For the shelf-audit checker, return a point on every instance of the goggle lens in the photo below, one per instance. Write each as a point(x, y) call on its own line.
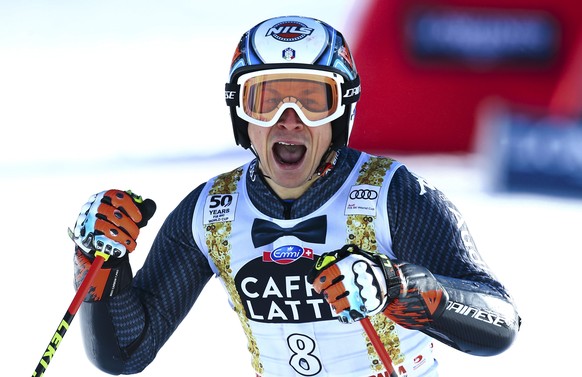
point(315, 97)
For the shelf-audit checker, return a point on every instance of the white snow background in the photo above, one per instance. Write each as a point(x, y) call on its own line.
point(106, 94)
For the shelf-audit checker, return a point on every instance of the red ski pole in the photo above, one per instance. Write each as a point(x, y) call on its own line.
point(378, 346)
point(56, 339)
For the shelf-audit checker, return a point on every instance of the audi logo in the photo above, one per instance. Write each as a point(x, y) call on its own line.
point(363, 194)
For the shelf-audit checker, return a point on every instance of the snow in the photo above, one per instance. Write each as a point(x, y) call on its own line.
point(101, 95)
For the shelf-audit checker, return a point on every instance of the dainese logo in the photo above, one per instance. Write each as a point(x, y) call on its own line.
point(289, 31)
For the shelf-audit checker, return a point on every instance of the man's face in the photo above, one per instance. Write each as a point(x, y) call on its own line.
point(290, 152)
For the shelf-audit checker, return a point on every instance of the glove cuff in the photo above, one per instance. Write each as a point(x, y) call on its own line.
point(393, 282)
point(110, 280)
point(422, 299)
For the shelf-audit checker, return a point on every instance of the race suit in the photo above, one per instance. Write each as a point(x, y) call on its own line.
point(261, 248)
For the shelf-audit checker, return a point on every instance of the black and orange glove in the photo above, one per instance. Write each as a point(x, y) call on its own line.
point(109, 224)
point(421, 300)
point(356, 283)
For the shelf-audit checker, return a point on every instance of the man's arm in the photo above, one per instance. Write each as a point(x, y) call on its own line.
point(123, 333)
point(428, 231)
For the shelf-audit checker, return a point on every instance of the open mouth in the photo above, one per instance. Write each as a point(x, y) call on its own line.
point(289, 154)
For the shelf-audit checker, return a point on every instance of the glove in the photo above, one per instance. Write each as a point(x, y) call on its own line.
point(109, 224)
point(422, 298)
point(356, 283)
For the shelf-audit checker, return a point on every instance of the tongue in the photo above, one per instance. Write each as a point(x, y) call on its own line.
point(289, 154)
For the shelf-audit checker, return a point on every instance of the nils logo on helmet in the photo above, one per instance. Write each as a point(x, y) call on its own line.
point(289, 31)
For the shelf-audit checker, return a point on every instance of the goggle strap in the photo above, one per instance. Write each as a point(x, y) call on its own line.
point(351, 91)
point(231, 93)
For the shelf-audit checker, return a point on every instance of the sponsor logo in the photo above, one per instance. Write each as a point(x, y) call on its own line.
point(419, 360)
point(362, 200)
point(287, 254)
point(477, 314)
point(353, 92)
point(424, 185)
point(252, 170)
point(275, 293)
point(288, 54)
point(54, 344)
point(363, 194)
point(345, 53)
point(220, 208)
point(289, 31)
point(468, 242)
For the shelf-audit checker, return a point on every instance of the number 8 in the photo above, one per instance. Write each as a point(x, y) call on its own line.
point(303, 360)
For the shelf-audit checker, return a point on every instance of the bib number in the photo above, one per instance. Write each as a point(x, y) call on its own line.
point(303, 360)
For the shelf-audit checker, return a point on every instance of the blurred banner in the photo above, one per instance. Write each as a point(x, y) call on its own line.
point(531, 150)
point(427, 66)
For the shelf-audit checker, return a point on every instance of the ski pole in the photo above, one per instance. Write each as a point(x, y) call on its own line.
point(378, 346)
point(100, 258)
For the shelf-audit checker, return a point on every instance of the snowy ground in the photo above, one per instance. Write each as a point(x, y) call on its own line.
point(101, 95)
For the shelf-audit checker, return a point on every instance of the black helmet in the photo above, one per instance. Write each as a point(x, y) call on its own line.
point(297, 47)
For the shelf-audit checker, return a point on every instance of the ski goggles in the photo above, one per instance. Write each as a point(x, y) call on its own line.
point(315, 95)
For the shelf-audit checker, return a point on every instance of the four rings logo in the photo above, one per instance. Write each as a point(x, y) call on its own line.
point(362, 200)
point(364, 194)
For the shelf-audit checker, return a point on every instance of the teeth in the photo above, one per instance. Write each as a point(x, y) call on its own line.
point(283, 143)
